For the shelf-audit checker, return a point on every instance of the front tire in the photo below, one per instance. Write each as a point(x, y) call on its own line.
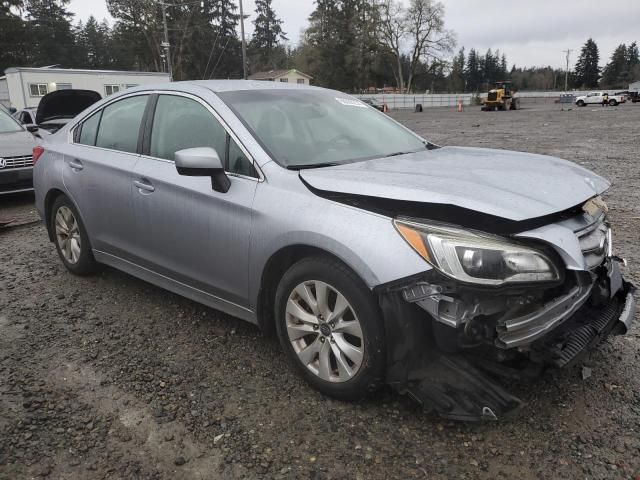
point(581, 103)
point(329, 325)
point(70, 238)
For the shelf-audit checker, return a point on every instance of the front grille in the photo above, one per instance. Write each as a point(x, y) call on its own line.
point(17, 162)
point(594, 242)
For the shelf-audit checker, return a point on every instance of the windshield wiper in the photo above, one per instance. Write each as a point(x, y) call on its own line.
point(397, 153)
point(307, 166)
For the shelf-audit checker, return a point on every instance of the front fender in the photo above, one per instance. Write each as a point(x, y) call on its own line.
point(289, 214)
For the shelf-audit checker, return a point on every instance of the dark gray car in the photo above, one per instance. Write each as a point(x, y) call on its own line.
point(377, 256)
point(16, 149)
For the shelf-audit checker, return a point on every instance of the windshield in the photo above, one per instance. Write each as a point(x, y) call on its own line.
point(8, 124)
point(304, 128)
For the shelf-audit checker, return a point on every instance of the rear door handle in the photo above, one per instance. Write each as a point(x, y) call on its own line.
point(76, 165)
point(144, 185)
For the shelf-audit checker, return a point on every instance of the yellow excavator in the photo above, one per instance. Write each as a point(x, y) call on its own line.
point(501, 97)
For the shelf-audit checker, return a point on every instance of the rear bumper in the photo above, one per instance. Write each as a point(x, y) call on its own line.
point(16, 180)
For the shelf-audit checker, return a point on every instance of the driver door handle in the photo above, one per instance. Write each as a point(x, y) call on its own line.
point(144, 186)
point(76, 165)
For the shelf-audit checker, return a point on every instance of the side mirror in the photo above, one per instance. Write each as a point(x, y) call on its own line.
point(203, 162)
point(32, 128)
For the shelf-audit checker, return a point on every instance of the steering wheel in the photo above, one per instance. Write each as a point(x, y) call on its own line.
point(341, 136)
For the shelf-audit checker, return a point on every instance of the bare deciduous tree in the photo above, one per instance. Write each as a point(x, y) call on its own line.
point(429, 39)
point(393, 30)
point(417, 29)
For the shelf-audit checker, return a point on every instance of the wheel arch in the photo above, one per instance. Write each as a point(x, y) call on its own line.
point(52, 195)
point(49, 200)
point(275, 267)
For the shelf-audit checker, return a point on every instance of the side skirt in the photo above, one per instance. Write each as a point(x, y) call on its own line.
point(176, 287)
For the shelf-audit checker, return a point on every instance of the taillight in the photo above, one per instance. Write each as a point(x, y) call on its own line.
point(37, 153)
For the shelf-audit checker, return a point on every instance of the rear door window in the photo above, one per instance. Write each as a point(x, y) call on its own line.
point(120, 124)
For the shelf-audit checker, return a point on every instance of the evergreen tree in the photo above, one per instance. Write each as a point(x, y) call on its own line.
point(14, 44)
point(504, 69)
point(323, 56)
point(265, 48)
point(137, 34)
point(456, 82)
point(491, 71)
point(633, 61)
point(473, 72)
point(50, 32)
point(633, 56)
point(93, 40)
point(616, 74)
point(538, 78)
point(587, 69)
point(340, 48)
point(215, 26)
point(202, 35)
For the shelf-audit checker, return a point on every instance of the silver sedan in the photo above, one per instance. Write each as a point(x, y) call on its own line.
point(377, 256)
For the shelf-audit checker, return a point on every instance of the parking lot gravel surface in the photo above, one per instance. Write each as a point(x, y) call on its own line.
point(110, 377)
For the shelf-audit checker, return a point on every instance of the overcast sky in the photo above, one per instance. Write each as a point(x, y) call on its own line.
point(530, 32)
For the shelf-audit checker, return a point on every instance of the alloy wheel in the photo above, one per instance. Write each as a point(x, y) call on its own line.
point(324, 331)
point(68, 234)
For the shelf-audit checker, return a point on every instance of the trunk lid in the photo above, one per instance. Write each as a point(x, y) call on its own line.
point(64, 104)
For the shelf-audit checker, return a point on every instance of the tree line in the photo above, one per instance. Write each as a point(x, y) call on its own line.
point(351, 45)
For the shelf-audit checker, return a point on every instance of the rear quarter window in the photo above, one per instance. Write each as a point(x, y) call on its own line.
point(89, 129)
point(119, 127)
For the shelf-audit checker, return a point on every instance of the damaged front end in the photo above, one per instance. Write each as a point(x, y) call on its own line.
point(496, 310)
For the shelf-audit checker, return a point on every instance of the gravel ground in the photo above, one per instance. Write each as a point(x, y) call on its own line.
point(110, 377)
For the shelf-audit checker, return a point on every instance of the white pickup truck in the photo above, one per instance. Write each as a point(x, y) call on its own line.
point(597, 97)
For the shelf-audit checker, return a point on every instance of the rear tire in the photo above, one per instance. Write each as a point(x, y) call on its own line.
point(613, 103)
point(70, 238)
point(342, 355)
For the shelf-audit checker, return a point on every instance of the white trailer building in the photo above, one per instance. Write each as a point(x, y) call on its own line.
point(634, 87)
point(23, 87)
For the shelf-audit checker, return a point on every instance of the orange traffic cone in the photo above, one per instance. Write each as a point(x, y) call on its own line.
point(460, 109)
point(385, 109)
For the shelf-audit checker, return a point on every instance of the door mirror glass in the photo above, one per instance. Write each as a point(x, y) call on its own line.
point(203, 162)
point(32, 128)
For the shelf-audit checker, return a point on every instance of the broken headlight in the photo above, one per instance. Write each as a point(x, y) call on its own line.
point(476, 257)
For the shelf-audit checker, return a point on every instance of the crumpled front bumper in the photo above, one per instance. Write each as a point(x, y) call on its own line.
point(588, 327)
point(468, 384)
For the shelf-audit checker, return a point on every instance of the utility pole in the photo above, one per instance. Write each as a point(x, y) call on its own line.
point(566, 73)
point(244, 44)
point(165, 44)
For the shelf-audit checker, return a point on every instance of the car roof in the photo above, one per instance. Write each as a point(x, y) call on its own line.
point(219, 86)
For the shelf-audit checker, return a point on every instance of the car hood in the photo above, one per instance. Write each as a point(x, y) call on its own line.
point(16, 144)
point(512, 185)
point(65, 104)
